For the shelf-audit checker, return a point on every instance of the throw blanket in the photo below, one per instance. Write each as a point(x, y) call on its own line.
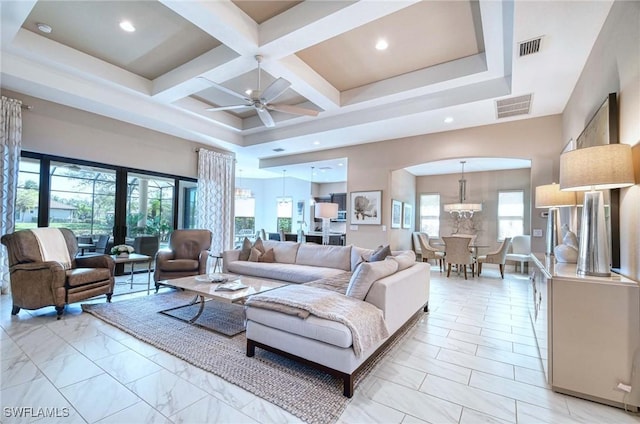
point(363, 319)
point(53, 246)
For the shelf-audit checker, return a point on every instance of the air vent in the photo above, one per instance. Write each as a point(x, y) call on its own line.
point(530, 46)
point(279, 149)
point(520, 105)
point(325, 168)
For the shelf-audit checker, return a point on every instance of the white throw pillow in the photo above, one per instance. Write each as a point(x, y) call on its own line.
point(368, 273)
point(405, 259)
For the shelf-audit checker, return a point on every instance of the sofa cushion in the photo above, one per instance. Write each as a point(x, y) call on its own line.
point(284, 272)
point(285, 251)
point(320, 329)
point(368, 273)
point(404, 259)
point(82, 276)
point(338, 257)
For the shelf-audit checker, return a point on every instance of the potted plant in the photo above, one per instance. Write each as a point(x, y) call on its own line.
point(121, 250)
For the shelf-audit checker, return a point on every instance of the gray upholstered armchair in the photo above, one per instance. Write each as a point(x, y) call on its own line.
point(187, 255)
point(37, 282)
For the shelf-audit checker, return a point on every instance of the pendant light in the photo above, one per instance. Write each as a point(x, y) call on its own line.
point(240, 192)
point(282, 200)
point(462, 209)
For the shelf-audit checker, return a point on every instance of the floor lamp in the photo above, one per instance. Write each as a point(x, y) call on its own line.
point(326, 211)
point(592, 169)
point(550, 196)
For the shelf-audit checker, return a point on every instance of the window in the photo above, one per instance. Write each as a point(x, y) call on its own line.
point(245, 221)
point(27, 194)
point(82, 198)
point(510, 213)
point(285, 212)
point(430, 214)
point(150, 206)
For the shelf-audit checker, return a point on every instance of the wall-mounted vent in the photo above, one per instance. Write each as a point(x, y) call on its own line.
point(278, 149)
point(520, 105)
point(325, 168)
point(530, 46)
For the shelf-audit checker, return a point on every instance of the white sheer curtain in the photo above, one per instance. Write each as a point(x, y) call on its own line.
point(215, 197)
point(10, 142)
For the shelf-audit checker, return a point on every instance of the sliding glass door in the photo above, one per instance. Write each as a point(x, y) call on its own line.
point(150, 206)
point(82, 198)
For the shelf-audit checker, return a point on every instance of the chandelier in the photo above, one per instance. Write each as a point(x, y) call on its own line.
point(463, 209)
point(242, 193)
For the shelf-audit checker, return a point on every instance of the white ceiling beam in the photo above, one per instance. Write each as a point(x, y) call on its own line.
point(12, 16)
point(55, 56)
point(180, 82)
point(313, 22)
point(25, 76)
point(221, 19)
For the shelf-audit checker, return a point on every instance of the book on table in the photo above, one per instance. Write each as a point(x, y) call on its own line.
point(231, 286)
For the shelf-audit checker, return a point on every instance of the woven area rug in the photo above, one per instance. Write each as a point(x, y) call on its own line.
point(310, 395)
point(225, 318)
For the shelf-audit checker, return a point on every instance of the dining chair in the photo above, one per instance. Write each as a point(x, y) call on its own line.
point(457, 252)
point(429, 252)
point(520, 251)
point(498, 257)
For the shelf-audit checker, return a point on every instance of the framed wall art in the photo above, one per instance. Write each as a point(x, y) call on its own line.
point(407, 215)
point(396, 213)
point(366, 207)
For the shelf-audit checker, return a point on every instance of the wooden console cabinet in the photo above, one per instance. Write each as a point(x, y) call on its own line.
point(588, 332)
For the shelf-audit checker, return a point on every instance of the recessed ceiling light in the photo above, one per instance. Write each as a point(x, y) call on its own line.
point(316, 143)
point(448, 120)
point(341, 164)
point(382, 44)
point(127, 26)
point(44, 28)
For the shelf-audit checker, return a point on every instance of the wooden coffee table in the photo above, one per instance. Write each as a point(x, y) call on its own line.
point(204, 290)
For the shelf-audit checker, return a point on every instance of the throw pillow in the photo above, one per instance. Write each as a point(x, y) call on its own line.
point(246, 250)
point(368, 273)
point(404, 259)
point(255, 254)
point(259, 245)
point(380, 254)
point(268, 256)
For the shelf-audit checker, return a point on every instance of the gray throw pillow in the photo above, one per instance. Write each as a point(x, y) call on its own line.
point(246, 250)
point(368, 273)
point(380, 254)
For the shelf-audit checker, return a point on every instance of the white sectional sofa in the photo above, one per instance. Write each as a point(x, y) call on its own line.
point(327, 344)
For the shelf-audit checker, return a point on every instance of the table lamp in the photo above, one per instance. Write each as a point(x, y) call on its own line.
point(326, 211)
point(591, 169)
point(550, 196)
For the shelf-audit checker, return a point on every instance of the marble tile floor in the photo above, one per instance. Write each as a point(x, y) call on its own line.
point(472, 359)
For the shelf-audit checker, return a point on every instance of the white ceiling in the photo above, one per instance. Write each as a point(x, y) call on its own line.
point(456, 66)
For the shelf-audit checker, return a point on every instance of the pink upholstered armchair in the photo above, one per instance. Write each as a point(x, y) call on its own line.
point(37, 281)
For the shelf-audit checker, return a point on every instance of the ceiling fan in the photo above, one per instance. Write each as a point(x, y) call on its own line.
point(261, 100)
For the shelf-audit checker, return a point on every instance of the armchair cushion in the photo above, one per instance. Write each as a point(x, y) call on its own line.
point(81, 276)
point(180, 265)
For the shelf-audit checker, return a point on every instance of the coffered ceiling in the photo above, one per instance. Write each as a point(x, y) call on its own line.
point(444, 59)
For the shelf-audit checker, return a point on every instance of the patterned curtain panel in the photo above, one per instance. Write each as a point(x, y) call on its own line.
point(10, 142)
point(215, 197)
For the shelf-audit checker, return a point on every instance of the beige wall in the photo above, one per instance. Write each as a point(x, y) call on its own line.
point(482, 187)
point(371, 165)
point(403, 189)
point(614, 67)
point(59, 130)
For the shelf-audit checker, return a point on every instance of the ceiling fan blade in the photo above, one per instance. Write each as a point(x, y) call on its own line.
point(275, 89)
point(266, 118)
point(295, 110)
point(226, 90)
point(232, 107)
